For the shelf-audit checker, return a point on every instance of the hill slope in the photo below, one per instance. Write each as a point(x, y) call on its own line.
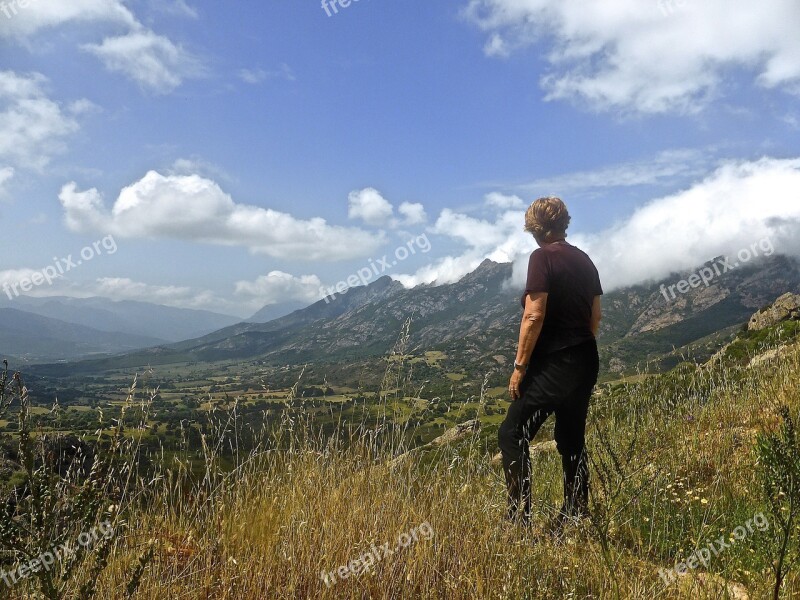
point(34, 338)
point(144, 319)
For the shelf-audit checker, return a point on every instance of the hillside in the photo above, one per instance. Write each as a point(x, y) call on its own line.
point(161, 324)
point(34, 338)
point(691, 470)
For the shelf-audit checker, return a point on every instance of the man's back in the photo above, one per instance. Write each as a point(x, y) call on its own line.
point(572, 282)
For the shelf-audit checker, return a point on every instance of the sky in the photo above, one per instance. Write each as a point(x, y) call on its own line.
point(228, 156)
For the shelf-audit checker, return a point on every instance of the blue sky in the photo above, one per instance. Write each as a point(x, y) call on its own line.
point(236, 131)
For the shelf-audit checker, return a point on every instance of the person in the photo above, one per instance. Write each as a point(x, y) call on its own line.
point(557, 364)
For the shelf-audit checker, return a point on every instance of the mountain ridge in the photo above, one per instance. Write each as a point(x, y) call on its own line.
point(475, 321)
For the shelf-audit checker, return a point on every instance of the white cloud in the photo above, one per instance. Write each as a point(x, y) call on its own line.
point(496, 46)
point(196, 209)
point(734, 207)
point(45, 14)
point(369, 206)
point(648, 57)
point(737, 205)
point(666, 168)
point(504, 201)
point(178, 8)
point(252, 76)
point(256, 76)
point(115, 288)
point(33, 127)
point(414, 213)
point(373, 209)
point(149, 59)
point(122, 288)
point(10, 280)
point(198, 166)
point(443, 271)
point(278, 286)
point(501, 240)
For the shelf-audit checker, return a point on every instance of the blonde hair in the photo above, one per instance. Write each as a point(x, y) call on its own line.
point(547, 219)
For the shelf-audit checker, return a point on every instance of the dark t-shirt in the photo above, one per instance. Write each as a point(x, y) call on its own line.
point(571, 280)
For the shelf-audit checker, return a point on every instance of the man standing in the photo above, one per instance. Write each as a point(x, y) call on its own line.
point(556, 366)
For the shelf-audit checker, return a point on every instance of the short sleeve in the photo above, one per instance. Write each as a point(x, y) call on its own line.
point(538, 274)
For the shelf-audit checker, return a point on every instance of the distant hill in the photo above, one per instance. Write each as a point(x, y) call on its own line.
point(475, 322)
point(163, 324)
point(275, 311)
point(34, 338)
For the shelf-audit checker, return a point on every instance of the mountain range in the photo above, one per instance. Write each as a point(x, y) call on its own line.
point(61, 328)
point(475, 322)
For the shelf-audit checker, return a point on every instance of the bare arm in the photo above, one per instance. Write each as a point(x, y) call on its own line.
point(597, 315)
point(531, 326)
point(529, 331)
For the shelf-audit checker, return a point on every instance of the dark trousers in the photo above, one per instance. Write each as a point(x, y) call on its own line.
point(560, 383)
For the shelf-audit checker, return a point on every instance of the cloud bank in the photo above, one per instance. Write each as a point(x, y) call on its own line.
point(648, 57)
point(738, 204)
point(194, 208)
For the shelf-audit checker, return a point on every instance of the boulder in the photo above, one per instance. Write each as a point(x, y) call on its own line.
point(534, 449)
point(449, 437)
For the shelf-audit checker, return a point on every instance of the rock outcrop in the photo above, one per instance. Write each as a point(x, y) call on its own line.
point(785, 308)
point(451, 436)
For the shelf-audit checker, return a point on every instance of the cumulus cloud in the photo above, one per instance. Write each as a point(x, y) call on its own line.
point(372, 208)
point(33, 127)
point(504, 201)
point(369, 206)
point(149, 59)
point(278, 286)
point(648, 57)
point(738, 204)
point(413, 213)
point(195, 208)
point(501, 240)
point(22, 22)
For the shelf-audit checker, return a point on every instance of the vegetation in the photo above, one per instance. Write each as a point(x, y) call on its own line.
point(244, 508)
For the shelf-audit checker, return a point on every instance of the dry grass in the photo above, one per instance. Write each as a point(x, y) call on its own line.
point(672, 469)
